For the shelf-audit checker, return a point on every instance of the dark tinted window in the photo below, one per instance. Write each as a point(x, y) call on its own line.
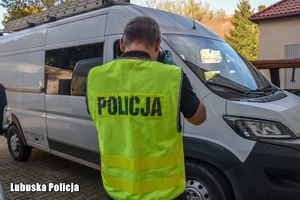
point(60, 63)
point(80, 73)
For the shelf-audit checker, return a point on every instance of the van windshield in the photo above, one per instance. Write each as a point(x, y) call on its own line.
point(218, 66)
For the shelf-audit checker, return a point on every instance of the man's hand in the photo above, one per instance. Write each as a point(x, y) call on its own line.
point(165, 56)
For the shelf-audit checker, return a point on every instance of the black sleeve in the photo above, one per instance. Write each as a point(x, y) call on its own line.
point(189, 102)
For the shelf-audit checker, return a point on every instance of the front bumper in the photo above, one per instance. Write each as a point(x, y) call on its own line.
point(270, 172)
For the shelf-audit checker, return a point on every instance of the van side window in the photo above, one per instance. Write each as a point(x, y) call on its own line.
point(80, 73)
point(117, 50)
point(60, 65)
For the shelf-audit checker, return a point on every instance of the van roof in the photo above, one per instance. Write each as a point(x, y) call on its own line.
point(170, 23)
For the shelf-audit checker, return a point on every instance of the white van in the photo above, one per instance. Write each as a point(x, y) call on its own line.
point(248, 147)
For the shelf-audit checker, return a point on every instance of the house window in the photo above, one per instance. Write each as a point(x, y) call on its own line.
point(290, 82)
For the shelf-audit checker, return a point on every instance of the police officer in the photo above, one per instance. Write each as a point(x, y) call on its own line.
point(134, 102)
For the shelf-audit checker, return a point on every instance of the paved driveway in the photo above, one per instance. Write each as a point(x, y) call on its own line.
point(44, 168)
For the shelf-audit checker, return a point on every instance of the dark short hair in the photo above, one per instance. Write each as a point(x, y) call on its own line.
point(141, 29)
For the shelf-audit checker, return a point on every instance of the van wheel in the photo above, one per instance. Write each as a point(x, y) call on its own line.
point(205, 182)
point(16, 146)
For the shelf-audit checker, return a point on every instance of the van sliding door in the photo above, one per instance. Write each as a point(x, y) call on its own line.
point(72, 49)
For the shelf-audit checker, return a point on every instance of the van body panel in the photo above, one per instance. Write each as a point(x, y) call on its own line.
point(23, 40)
point(79, 17)
point(21, 71)
point(68, 121)
point(77, 30)
point(285, 111)
point(209, 152)
point(24, 79)
point(216, 130)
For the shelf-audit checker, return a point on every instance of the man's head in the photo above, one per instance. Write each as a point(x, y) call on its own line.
point(141, 33)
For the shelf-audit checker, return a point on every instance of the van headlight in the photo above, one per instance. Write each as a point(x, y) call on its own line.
point(254, 129)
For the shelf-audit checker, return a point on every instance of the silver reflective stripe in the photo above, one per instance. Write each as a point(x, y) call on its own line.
point(178, 105)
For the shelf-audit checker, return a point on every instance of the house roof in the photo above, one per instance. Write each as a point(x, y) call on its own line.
point(283, 8)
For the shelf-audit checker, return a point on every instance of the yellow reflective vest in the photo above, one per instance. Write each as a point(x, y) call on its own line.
point(134, 104)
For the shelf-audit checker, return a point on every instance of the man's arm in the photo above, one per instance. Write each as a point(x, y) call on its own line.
point(192, 107)
point(200, 116)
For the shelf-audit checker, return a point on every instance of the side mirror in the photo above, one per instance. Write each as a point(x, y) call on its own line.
point(6, 118)
point(5, 113)
point(2, 193)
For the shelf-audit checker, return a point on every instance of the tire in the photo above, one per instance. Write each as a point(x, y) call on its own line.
point(17, 149)
point(205, 182)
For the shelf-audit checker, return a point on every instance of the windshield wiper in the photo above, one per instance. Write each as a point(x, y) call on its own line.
point(264, 91)
point(228, 87)
point(257, 92)
point(241, 91)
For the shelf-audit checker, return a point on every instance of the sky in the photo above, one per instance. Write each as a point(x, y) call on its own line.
point(228, 5)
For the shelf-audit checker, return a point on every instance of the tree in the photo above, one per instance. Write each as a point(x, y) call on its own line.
point(21, 8)
point(18, 12)
point(219, 14)
point(261, 7)
point(190, 8)
point(151, 3)
point(244, 38)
